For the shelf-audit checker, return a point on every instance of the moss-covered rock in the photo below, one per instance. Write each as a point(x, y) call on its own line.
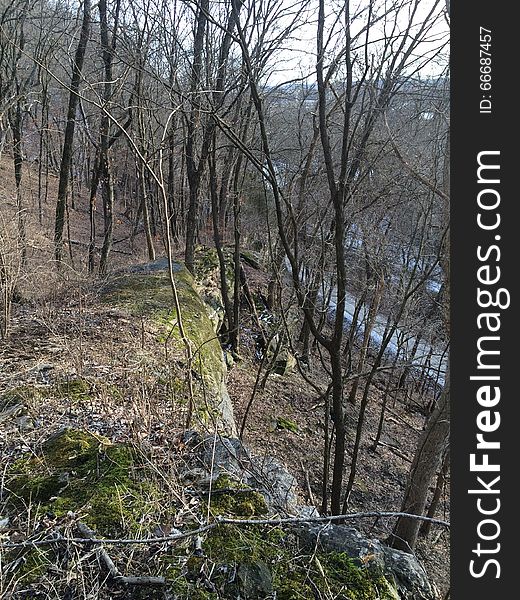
point(208, 281)
point(287, 424)
point(31, 395)
point(84, 473)
point(398, 573)
point(260, 563)
point(285, 363)
point(232, 498)
point(147, 292)
point(22, 395)
point(73, 389)
point(105, 485)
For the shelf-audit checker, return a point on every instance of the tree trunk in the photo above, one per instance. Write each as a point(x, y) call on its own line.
point(338, 417)
point(232, 327)
point(66, 158)
point(426, 463)
point(108, 204)
point(94, 183)
point(15, 119)
point(146, 213)
point(439, 486)
point(193, 170)
point(107, 182)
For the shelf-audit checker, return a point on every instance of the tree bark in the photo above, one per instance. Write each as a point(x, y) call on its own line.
point(15, 119)
point(426, 463)
point(107, 54)
point(194, 170)
point(66, 157)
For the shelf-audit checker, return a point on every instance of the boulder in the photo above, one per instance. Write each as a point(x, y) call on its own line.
point(83, 473)
point(254, 581)
point(210, 458)
point(145, 291)
point(285, 363)
point(410, 578)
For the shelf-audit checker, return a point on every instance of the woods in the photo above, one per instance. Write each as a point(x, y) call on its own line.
point(294, 156)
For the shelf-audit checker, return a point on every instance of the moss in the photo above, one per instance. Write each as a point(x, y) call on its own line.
point(205, 262)
point(30, 395)
point(225, 481)
point(293, 574)
point(32, 564)
point(84, 473)
point(252, 258)
point(233, 545)
point(288, 424)
point(184, 574)
point(107, 390)
point(352, 581)
point(239, 504)
point(292, 571)
point(207, 266)
point(150, 295)
point(73, 389)
point(231, 497)
point(294, 589)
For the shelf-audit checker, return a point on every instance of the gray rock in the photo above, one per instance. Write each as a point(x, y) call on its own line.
point(217, 456)
point(161, 264)
point(341, 538)
point(404, 569)
point(277, 484)
point(24, 423)
point(254, 581)
point(225, 455)
point(307, 512)
point(410, 577)
point(285, 363)
point(213, 408)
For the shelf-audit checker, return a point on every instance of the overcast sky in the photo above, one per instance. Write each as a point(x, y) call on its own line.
point(299, 56)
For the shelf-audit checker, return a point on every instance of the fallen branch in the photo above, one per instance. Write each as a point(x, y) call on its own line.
point(97, 249)
point(395, 451)
point(110, 565)
point(224, 521)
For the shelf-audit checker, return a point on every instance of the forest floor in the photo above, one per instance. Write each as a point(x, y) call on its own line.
point(62, 327)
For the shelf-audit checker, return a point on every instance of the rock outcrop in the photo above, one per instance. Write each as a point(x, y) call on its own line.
point(145, 291)
point(82, 477)
point(79, 475)
point(403, 569)
point(401, 574)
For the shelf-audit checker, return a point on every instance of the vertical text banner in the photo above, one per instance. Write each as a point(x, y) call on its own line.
point(485, 237)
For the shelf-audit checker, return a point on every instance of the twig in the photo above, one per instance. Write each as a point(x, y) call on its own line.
point(308, 483)
point(111, 567)
point(225, 521)
point(102, 553)
point(78, 243)
point(395, 451)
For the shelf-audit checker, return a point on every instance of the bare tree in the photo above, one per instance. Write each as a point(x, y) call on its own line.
point(66, 157)
point(427, 462)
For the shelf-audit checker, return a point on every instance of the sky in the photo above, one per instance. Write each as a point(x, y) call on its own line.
point(299, 55)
